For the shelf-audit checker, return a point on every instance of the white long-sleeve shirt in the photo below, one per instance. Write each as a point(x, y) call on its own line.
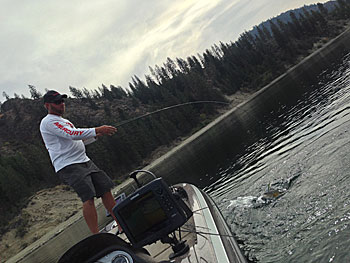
point(64, 142)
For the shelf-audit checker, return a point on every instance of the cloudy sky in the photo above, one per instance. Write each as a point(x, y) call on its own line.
point(83, 43)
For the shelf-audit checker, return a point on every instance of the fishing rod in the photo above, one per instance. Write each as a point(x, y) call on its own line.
point(171, 107)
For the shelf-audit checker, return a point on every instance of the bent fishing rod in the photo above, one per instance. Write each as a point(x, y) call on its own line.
point(171, 107)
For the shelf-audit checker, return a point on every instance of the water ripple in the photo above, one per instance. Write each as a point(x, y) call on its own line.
point(310, 220)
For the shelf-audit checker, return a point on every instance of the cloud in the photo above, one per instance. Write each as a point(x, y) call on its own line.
point(172, 33)
point(87, 43)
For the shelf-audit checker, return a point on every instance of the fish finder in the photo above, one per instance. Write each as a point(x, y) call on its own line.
point(150, 213)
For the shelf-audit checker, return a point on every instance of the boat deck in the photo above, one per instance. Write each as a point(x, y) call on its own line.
point(160, 251)
point(206, 234)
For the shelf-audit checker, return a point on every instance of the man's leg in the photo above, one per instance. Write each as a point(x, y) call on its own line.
point(90, 215)
point(109, 202)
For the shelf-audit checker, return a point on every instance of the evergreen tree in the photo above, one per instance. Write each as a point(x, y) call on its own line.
point(106, 93)
point(261, 35)
point(277, 34)
point(77, 93)
point(5, 95)
point(295, 26)
point(34, 93)
point(170, 67)
point(86, 93)
point(183, 65)
point(322, 9)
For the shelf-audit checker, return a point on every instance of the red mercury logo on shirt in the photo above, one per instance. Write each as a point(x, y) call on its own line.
point(66, 130)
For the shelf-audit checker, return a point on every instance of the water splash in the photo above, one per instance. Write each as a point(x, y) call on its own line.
point(274, 191)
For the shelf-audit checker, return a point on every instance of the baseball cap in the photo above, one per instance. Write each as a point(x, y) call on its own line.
point(53, 96)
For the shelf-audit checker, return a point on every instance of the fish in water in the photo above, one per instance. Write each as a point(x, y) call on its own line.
point(274, 191)
point(272, 194)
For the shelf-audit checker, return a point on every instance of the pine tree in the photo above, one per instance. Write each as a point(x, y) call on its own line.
point(34, 93)
point(76, 92)
point(322, 9)
point(277, 34)
point(5, 95)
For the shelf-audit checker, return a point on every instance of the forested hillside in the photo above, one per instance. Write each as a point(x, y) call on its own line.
point(247, 64)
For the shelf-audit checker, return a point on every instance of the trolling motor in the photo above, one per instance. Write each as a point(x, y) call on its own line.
point(151, 213)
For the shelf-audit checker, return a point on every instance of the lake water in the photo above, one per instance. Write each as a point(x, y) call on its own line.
point(301, 154)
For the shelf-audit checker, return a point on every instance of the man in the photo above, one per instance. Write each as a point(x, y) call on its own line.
point(66, 147)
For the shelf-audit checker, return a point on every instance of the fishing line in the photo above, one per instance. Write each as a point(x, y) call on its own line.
point(170, 107)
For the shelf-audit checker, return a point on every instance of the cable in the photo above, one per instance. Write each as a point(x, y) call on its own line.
point(206, 233)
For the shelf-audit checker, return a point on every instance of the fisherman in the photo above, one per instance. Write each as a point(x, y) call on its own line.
point(66, 147)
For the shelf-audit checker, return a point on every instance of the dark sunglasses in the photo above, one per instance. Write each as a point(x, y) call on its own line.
point(58, 102)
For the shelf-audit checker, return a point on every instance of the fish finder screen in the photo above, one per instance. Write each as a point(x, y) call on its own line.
point(142, 215)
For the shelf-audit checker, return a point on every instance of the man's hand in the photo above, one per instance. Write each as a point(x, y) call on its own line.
point(105, 130)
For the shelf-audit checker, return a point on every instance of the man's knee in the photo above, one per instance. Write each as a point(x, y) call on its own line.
point(107, 194)
point(108, 200)
point(89, 202)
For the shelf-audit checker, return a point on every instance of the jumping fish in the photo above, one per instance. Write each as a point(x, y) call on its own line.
point(274, 191)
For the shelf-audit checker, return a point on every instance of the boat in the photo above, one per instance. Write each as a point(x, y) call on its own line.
point(161, 224)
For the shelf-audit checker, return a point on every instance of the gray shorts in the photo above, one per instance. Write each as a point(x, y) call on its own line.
point(87, 180)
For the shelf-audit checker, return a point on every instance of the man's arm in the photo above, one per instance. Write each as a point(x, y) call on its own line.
point(90, 140)
point(67, 130)
point(100, 131)
point(105, 130)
